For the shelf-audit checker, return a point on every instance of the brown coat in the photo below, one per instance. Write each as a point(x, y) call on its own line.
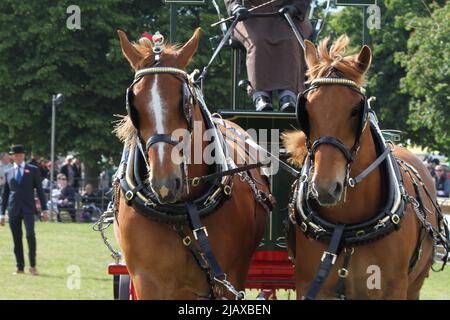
point(274, 57)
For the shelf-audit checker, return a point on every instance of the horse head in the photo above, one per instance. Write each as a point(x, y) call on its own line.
point(332, 113)
point(159, 103)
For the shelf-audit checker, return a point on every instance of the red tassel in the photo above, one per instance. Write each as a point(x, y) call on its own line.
point(149, 37)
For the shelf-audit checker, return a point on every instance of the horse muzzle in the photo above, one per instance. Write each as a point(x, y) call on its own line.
point(167, 190)
point(328, 194)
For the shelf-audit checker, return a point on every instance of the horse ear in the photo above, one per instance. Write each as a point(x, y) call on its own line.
point(133, 56)
point(186, 53)
point(310, 54)
point(364, 59)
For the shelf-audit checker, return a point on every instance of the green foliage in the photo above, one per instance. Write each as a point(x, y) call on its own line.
point(427, 62)
point(40, 56)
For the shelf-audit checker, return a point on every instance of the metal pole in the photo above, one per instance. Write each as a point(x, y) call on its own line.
point(234, 77)
point(366, 34)
point(296, 31)
point(173, 23)
point(52, 155)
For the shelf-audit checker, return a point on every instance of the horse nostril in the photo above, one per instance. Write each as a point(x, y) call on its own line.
point(336, 189)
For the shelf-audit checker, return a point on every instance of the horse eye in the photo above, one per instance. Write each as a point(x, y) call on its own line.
point(354, 112)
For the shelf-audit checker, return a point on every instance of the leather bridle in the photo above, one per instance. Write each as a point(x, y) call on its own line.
point(303, 119)
point(187, 103)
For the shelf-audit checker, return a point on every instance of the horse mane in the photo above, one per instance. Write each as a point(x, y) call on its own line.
point(334, 58)
point(124, 129)
point(294, 142)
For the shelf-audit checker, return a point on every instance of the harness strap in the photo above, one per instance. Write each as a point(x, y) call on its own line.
point(418, 250)
point(339, 288)
point(349, 154)
point(197, 254)
point(257, 147)
point(439, 236)
point(352, 182)
point(328, 260)
point(202, 179)
point(130, 194)
point(162, 137)
point(201, 235)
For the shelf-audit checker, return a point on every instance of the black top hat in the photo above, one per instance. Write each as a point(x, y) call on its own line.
point(17, 149)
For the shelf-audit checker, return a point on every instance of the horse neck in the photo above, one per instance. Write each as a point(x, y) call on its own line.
point(363, 201)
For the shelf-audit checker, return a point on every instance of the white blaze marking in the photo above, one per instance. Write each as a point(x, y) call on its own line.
point(157, 108)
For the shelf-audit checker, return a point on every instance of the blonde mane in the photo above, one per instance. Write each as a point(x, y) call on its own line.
point(334, 58)
point(124, 129)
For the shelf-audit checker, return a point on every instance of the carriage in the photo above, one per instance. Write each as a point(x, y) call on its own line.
point(271, 268)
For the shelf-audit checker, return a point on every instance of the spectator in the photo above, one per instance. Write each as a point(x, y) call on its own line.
point(34, 161)
point(433, 163)
point(18, 197)
point(5, 165)
point(68, 171)
point(76, 165)
point(66, 200)
point(48, 164)
point(89, 196)
point(45, 172)
point(90, 201)
point(442, 182)
point(274, 57)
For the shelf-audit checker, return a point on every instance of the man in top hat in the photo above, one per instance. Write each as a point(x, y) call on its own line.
point(18, 197)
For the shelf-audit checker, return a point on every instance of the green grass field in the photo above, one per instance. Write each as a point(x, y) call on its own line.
point(65, 248)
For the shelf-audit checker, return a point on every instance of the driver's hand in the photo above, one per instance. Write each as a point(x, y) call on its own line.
point(240, 12)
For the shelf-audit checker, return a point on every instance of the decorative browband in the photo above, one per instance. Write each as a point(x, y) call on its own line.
point(339, 81)
point(153, 70)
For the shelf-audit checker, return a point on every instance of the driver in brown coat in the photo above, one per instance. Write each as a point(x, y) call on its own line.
point(274, 57)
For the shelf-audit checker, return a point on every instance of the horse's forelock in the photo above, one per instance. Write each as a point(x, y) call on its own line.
point(334, 57)
point(145, 47)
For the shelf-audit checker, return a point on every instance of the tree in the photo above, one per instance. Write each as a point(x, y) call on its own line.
point(427, 63)
point(40, 56)
point(386, 72)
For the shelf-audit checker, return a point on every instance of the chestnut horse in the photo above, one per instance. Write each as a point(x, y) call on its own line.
point(162, 255)
point(362, 234)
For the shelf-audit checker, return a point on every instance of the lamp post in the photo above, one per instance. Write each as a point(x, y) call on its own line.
point(56, 100)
